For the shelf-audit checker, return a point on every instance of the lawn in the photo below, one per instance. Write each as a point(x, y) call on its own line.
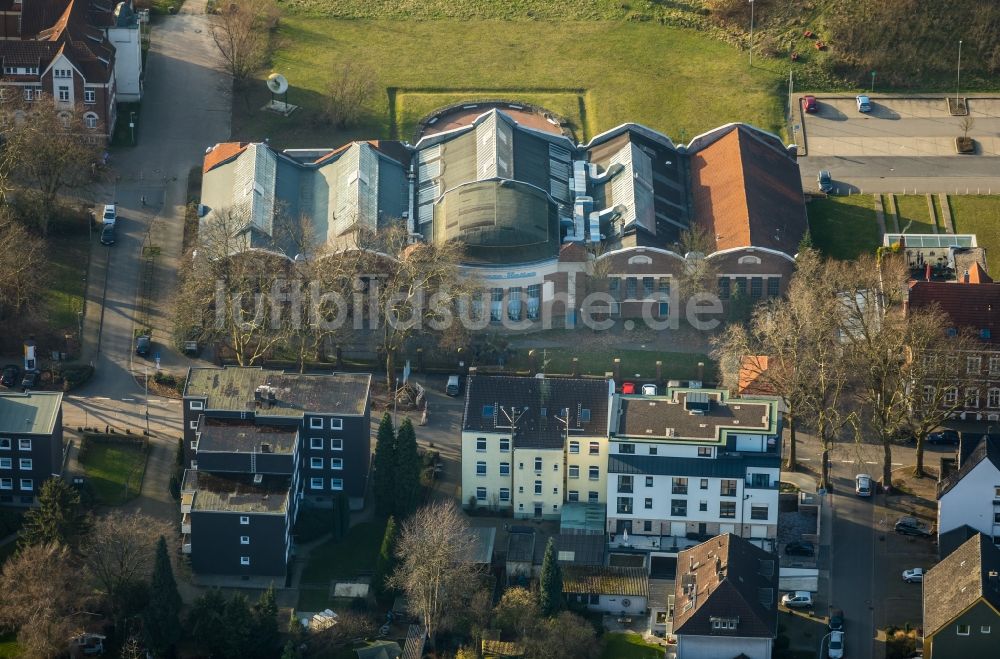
point(629, 646)
point(8, 646)
point(843, 227)
point(115, 471)
point(914, 217)
point(979, 214)
point(640, 364)
point(67, 267)
point(643, 72)
point(349, 557)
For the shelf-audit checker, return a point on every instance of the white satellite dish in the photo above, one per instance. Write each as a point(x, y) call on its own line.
point(277, 83)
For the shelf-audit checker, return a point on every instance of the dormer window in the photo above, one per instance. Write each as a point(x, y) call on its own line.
point(985, 334)
point(487, 411)
point(585, 415)
point(951, 331)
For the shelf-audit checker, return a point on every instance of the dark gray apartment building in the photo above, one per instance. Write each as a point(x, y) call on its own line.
point(31, 444)
point(257, 442)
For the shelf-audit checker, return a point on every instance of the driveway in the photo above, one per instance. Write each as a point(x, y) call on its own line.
point(903, 144)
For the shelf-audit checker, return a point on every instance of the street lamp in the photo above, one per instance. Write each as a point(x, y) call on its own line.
point(958, 74)
point(751, 33)
point(873, 82)
point(743, 510)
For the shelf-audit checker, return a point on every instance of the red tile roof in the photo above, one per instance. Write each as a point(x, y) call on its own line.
point(220, 153)
point(969, 306)
point(978, 276)
point(748, 192)
point(750, 381)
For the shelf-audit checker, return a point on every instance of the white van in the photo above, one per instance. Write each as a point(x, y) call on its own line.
point(454, 385)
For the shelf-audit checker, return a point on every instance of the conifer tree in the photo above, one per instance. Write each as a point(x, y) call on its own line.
point(407, 473)
point(385, 466)
point(386, 562)
point(161, 620)
point(550, 582)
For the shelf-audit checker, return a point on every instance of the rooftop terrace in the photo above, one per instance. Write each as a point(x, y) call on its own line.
point(212, 493)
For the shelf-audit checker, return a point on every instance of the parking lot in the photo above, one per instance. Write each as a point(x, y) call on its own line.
point(902, 144)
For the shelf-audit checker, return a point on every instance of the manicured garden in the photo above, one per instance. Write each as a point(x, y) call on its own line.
point(67, 272)
point(628, 646)
point(114, 468)
point(353, 555)
point(914, 216)
point(843, 227)
point(979, 214)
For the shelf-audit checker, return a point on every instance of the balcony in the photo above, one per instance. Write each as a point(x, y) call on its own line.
point(186, 544)
point(186, 524)
point(187, 500)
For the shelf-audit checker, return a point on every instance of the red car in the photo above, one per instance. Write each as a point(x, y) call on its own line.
point(628, 388)
point(809, 103)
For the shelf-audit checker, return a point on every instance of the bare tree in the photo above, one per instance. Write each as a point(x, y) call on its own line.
point(43, 598)
point(699, 274)
point(348, 94)
point(242, 33)
point(966, 124)
point(566, 636)
point(518, 612)
point(24, 275)
point(434, 570)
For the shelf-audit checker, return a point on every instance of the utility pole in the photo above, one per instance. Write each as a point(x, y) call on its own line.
point(873, 82)
point(958, 75)
point(146, 371)
point(751, 34)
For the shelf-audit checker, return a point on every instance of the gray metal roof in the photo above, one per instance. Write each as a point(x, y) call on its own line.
point(34, 412)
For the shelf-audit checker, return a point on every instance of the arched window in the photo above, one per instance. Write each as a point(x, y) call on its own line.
point(640, 260)
point(90, 119)
point(66, 117)
point(749, 260)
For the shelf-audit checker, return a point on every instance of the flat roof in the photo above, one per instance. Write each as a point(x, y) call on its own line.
point(705, 415)
point(232, 388)
point(582, 517)
point(34, 412)
point(931, 239)
point(238, 493)
point(241, 437)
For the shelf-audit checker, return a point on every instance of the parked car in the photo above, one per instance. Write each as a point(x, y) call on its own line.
point(108, 235)
point(836, 649)
point(864, 103)
point(863, 485)
point(110, 214)
point(799, 599)
point(825, 181)
point(11, 375)
point(143, 344)
point(649, 390)
point(913, 575)
point(943, 437)
point(454, 385)
point(809, 104)
point(836, 623)
point(30, 380)
point(628, 388)
point(800, 548)
point(910, 526)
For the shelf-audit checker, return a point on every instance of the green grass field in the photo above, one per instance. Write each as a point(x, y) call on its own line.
point(640, 364)
point(628, 646)
point(843, 227)
point(115, 471)
point(642, 72)
point(980, 214)
point(348, 557)
point(8, 646)
point(914, 217)
point(67, 269)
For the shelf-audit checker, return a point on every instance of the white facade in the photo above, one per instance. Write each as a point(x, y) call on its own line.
point(714, 647)
point(613, 604)
point(127, 40)
point(974, 500)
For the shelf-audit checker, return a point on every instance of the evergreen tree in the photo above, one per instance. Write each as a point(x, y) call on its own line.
point(550, 583)
point(407, 476)
point(206, 623)
point(265, 625)
point(290, 651)
point(58, 517)
point(384, 487)
point(386, 561)
point(161, 621)
point(237, 627)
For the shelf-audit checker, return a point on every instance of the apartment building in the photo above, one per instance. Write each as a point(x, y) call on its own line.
point(531, 444)
point(31, 444)
point(689, 465)
point(257, 442)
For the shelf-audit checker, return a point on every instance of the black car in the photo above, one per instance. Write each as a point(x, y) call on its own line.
point(108, 235)
point(910, 526)
point(11, 376)
point(836, 623)
point(30, 380)
point(800, 548)
point(142, 345)
point(943, 437)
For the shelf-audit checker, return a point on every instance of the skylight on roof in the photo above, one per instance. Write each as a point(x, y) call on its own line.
point(585, 415)
point(487, 411)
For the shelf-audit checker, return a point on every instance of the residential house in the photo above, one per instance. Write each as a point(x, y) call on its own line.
point(970, 496)
point(689, 465)
point(257, 442)
point(961, 603)
point(61, 51)
point(607, 589)
point(726, 600)
point(971, 304)
point(31, 444)
point(531, 444)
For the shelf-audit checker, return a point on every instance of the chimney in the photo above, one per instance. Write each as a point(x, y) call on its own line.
point(701, 371)
point(927, 271)
point(617, 369)
point(965, 277)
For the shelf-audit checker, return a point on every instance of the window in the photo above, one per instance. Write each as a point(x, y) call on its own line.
point(973, 365)
point(615, 288)
point(630, 288)
point(680, 486)
point(962, 630)
point(727, 509)
point(678, 507)
point(315, 422)
point(972, 397)
point(63, 93)
point(538, 464)
point(480, 494)
point(315, 463)
point(24, 445)
point(337, 464)
point(197, 405)
point(574, 471)
point(585, 416)
point(951, 396)
point(595, 448)
point(574, 447)
point(514, 303)
point(756, 287)
point(505, 494)
point(728, 487)
point(704, 451)
point(648, 503)
point(336, 424)
point(487, 411)
point(244, 560)
point(985, 629)
point(652, 450)
point(592, 496)
point(316, 483)
point(994, 365)
point(555, 490)
point(244, 540)
point(6, 483)
point(244, 519)
point(724, 288)
point(538, 487)
point(758, 512)
point(993, 398)
point(480, 468)
point(496, 305)
point(624, 484)
point(505, 469)
point(555, 467)
point(573, 495)
point(628, 449)
point(315, 443)
point(505, 446)
point(193, 425)
point(625, 505)
point(27, 484)
point(480, 445)
point(703, 506)
point(594, 473)
point(704, 484)
point(89, 96)
point(5, 444)
point(647, 287)
point(534, 300)
point(741, 286)
point(90, 120)
point(928, 393)
point(649, 481)
point(336, 445)
point(5, 463)
point(773, 286)
point(760, 480)
point(647, 526)
point(62, 73)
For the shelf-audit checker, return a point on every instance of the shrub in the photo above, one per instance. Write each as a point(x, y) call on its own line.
point(74, 375)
